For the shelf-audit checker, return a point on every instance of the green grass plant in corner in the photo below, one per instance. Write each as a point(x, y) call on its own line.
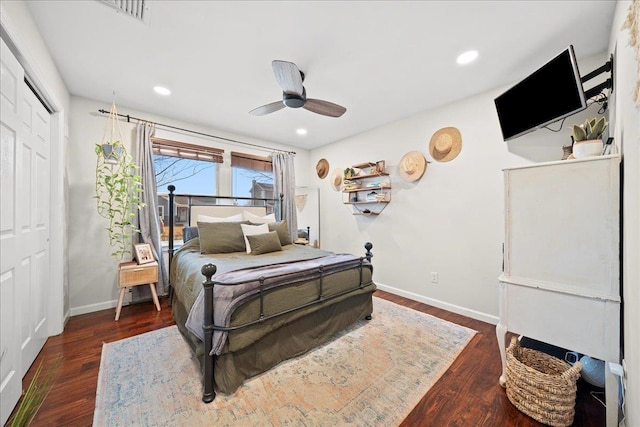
point(590, 129)
point(35, 394)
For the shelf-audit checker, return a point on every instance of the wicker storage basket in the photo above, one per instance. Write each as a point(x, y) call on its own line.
point(541, 386)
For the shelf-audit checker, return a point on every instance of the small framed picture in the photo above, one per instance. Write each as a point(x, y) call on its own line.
point(380, 166)
point(143, 253)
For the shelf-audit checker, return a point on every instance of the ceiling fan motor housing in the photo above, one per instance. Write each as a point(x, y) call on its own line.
point(293, 101)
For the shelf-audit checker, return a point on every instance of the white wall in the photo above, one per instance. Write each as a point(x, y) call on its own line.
point(22, 35)
point(627, 132)
point(451, 221)
point(92, 271)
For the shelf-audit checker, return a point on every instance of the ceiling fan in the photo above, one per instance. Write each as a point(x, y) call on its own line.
point(294, 95)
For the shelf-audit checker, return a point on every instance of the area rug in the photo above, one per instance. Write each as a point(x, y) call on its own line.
point(372, 374)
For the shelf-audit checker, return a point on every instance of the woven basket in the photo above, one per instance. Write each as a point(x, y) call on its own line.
point(541, 386)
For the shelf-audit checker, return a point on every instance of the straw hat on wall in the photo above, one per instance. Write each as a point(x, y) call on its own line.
point(336, 179)
point(445, 144)
point(322, 168)
point(412, 166)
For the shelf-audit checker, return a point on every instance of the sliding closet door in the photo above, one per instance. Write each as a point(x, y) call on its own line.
point(24, 229)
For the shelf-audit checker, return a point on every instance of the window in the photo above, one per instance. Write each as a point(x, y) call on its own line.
point(190, 168)
point(252, 176)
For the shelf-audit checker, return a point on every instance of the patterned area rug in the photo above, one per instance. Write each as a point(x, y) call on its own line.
point(372, 374)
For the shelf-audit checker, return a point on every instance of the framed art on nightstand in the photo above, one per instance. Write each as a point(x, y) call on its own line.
point(144, 253)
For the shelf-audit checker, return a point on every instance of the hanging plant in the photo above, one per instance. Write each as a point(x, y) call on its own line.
point(118, 187)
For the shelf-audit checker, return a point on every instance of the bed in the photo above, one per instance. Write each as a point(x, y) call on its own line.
point(275, 303)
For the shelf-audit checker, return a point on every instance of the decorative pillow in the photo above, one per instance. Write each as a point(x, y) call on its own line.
point(283, 231)
point(250, 230)
point(232, 218)
point(189, 233)
point(257, 219)
point(220, 237)
point(264, 243)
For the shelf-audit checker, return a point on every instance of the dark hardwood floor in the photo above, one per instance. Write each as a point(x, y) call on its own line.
point(468, 394)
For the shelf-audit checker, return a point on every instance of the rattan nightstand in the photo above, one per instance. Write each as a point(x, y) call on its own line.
point(132, 274)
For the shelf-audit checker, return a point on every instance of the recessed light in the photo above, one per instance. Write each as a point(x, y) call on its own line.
point(467, 57)
point(162, 90)
point(301, 131)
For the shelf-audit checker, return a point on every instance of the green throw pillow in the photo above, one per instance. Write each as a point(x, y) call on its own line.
point(220, 237)
point(264, 243)
point(283, 231)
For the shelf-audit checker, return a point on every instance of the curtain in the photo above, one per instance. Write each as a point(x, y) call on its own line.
point(148, 218)
point(285, 183)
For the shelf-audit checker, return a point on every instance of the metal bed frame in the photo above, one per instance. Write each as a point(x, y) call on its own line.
point(208, 270)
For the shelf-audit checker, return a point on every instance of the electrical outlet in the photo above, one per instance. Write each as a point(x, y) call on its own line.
point(434, 277)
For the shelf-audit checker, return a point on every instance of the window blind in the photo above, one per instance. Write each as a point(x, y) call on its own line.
point(250, 161)
point(167, 147)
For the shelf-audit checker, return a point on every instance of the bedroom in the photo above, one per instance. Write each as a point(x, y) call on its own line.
point(428, 223)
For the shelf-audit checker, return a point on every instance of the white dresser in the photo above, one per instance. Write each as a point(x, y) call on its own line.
point(561, 280)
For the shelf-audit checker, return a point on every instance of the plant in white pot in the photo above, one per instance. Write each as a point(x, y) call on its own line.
point(587, 137)
point(118, 189)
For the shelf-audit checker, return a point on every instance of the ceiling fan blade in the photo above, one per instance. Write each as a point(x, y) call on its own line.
point(288, 77)
point(325, 108)
point(266, 109)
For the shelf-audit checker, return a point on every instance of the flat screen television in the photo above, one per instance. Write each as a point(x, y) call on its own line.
point(553, 92)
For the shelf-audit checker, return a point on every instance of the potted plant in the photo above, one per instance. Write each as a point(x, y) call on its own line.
point(118, 189)
point(349, 172)
point(587, 137)
point(591, 129)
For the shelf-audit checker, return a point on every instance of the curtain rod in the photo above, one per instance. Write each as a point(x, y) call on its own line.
point(129, 118)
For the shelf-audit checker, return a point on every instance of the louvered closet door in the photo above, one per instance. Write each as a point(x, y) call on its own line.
point(24, 228)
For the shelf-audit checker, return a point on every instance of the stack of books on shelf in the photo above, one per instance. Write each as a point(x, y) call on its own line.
point(349, 185)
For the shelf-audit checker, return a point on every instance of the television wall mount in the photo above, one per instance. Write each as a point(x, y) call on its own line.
point(607, 84)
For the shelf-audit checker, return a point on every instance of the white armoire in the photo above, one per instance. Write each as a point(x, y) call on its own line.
point(561, 279)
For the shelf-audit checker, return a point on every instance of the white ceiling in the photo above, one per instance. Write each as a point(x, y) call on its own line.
point(382, 60)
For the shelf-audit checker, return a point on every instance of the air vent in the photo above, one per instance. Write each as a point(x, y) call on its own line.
point(136, 9)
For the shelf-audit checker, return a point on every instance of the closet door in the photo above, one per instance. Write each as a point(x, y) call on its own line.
point(11, 88)
point(33, 221)
point(24, 229)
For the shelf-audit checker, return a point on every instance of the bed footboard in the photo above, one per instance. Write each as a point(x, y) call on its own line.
point(208, 270)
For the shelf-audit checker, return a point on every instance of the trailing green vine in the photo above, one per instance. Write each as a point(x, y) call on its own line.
point(118, 190)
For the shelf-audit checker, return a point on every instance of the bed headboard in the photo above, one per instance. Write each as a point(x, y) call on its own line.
point(188, 207)
point(219, 211)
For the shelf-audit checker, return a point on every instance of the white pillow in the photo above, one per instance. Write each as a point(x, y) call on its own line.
point(232, 218)
point(251, 230)
point(257, 219)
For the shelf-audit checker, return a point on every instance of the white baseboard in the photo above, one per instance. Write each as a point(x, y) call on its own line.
point(67, 316)
point(75, 311)
point(484, 317)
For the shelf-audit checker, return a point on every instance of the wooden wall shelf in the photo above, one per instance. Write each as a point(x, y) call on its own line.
point(356, 192)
